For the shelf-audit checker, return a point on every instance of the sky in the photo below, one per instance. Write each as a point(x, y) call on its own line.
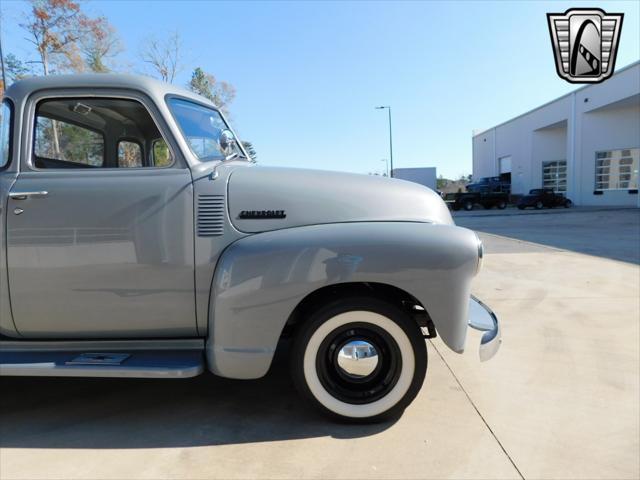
point(309, 74)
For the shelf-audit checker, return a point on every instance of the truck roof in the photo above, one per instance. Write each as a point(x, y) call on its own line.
point(154, 88)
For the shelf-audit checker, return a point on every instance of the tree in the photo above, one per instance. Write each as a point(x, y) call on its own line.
point(54, 27)
point(99, 45)
point(15, 68)
point(163, 56)
point(250, 149)
point(205, 84)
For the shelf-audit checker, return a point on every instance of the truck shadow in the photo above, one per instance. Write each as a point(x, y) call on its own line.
point(40, 412)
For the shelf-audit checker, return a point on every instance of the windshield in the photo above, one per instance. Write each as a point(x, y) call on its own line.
point(535, 191)
point(202, 128)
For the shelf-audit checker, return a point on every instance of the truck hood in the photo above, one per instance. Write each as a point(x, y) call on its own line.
point(271, 198)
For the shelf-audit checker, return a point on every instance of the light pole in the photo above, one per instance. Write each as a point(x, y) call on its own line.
point(382, 107)
point(386, 161)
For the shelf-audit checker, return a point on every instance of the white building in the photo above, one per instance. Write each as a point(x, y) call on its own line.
point(585, 143)
point(424, 176)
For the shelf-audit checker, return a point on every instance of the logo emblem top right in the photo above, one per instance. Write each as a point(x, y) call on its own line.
point(585, 43)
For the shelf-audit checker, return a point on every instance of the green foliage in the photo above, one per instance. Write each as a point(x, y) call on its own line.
point(205, 84)
point(15, 68)
point(250, 149)
point(62, 141)
point(161, 153)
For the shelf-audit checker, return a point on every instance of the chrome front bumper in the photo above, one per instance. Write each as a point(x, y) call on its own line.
point(482, 318)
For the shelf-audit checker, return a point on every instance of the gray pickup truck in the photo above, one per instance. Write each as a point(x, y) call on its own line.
point(138, 240)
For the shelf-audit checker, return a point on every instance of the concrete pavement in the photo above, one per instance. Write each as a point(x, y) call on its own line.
point(605, 232)
point(560, 400)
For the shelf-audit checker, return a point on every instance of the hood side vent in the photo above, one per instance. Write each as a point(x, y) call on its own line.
point(210, 218)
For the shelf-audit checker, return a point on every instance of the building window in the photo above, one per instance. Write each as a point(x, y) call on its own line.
point(554, 175)
point(617, 169)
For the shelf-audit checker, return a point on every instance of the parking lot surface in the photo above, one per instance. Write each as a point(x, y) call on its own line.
point(560, 400)
point(607, 232)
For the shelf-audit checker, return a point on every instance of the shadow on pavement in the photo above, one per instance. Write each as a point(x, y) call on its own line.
point(40, 412)
point(613, 234)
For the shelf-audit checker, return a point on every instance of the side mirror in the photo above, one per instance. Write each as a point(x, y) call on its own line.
point(228, 144)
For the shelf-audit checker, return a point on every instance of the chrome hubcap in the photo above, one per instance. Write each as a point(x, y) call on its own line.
point(358, 359)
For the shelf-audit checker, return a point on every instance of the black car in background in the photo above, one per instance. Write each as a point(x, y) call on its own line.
point(543, 197)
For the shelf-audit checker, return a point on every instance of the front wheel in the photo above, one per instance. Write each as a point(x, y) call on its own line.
point(567, 203)
point(359, 359)
point(539, 205)
point(502, 205)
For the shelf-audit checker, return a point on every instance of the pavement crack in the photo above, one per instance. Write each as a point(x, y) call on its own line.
point(478, 411)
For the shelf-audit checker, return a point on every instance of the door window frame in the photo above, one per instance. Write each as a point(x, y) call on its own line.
point(29, 124)
point(11, 120)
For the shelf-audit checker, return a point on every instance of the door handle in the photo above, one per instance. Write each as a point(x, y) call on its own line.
point(25, 195)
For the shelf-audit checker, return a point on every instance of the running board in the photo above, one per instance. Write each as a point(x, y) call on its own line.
point(131, 364)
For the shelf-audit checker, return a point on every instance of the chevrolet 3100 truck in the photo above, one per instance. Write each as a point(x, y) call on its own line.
point(137, 240)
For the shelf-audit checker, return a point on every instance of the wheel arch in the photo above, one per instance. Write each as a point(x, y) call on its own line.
point(263, 282)
point(382, 291)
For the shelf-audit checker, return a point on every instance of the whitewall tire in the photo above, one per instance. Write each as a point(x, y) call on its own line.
point(359, 359)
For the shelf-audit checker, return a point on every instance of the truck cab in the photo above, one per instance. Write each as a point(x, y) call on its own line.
point(138, 240)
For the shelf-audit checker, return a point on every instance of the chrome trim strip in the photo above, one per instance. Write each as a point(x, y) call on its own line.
point(24, 195)
point(482, 318)
point(88, 345)
point(50, 369)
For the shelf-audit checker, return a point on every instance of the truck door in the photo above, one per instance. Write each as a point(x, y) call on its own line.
point(100, 224)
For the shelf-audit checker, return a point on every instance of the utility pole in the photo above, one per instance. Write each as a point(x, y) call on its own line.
point(387, 107)
point(386, 168)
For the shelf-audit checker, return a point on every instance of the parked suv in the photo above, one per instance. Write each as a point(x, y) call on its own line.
point(543, 198)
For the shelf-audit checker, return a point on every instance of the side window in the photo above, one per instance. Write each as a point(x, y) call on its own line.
point(97, 133)
point(160, 154)
point(129, 154)
point(58, 142)
point(202, 127)
point(6, 119)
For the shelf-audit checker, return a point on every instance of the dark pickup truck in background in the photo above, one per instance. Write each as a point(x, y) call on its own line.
point(488, 191)
point(467, 200)
point(490, 184)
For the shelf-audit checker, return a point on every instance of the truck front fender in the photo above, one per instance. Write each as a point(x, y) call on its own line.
point(260, 279)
